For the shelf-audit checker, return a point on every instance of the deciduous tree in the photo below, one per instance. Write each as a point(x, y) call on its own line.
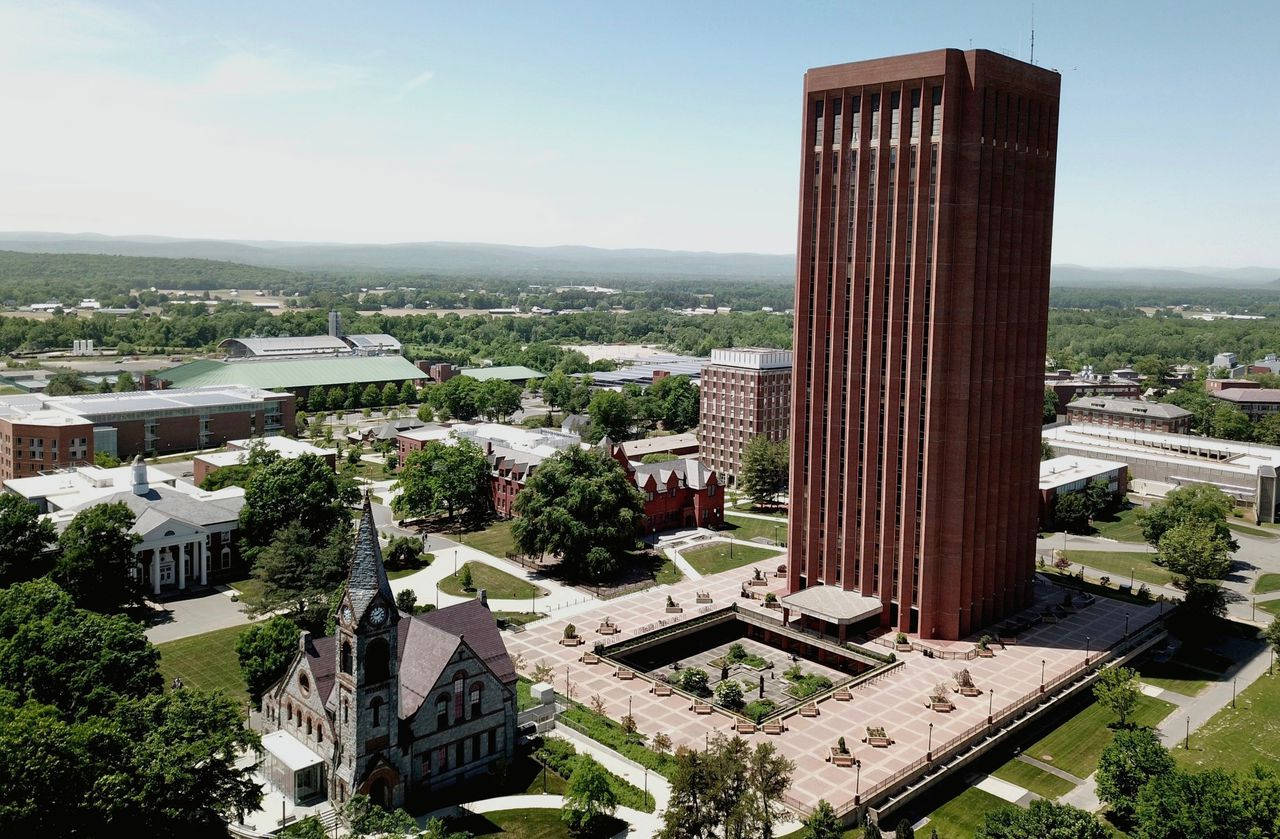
point(579, 505)
point(588, 795)
point(1117, 690)
point(303, 491)
point(1130, 760)
point(764, 472)
point(25, 539)
point(96, 561)
point(1043, 819)
point(451, 477)
point(264, 650)
point(297, 575)
point(612, 414)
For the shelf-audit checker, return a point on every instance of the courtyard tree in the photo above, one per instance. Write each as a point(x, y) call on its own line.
point(303, 491)
point(1196, 502)
point(588, 795)
point(1227, 422)
point(768, 777)
point(904, 830)
point(822, 822)
point(611, 415)
point(1130, 760)
point(238, 474)
point(95, 561)
point(1194, 551)
point(1071, 512)
point(579, 505)
point(453, 478)
point(1117, 690)
point(264, 650)
point(297, 576)
point(1042, 819)
point(765, 464)
point(729, 694)
point(25, 539)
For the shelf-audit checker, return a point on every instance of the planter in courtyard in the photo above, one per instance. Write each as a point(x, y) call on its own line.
point(570, 642)
point(674, 610)
point(839, 758)
point(944, 707)
point(703, 597)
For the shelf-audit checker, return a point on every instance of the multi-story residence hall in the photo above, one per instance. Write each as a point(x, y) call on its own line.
point(926, 212)
point(392, 705)
point(39, 433)
point(745, 392)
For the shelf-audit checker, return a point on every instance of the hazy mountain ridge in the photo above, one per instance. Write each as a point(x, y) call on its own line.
point(558, 262)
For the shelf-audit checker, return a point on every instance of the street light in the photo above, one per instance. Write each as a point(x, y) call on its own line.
point(1086, 649)
point(1130, 579)
point(1186, 744)
point(1233, 692)
point(1042, 675)
point(1126, 626)
point(929, 751)
point(991, 698)
point(857, 781)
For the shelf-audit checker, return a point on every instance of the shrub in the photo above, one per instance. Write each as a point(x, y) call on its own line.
point(964, 679)
point(570, 631)
point(406, 600)
point(900, 638)
point(694, 680)
point(736, 653)
point(841, 747)
point(758, 709)
point(464, 577)
point(729, 694)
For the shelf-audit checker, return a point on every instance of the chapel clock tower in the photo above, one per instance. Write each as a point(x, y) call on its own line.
point(366, 708)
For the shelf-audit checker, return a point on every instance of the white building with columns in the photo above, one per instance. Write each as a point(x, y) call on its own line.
point(187, 534)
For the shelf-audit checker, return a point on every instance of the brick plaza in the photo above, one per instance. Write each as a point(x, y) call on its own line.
point(894, 700)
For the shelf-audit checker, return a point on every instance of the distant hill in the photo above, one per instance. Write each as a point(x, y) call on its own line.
point(556, 263)
point(441, 258)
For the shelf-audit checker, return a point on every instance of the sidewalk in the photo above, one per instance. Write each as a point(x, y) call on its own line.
point(643, 825)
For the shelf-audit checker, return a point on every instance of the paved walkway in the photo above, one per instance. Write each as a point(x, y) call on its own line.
point(450, 555)
point(1051, 769)
point(775, 519)
point(1195, 711)
point(642, 825)
point(197, 615)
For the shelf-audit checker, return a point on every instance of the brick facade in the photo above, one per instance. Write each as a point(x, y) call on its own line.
point(926, 217)
point(738, 403)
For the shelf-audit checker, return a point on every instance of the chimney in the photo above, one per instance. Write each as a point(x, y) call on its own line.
point(483, 595)
point(140, 486)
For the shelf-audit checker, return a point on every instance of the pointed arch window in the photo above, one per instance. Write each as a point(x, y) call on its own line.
point(346, 657)
point(377, 661)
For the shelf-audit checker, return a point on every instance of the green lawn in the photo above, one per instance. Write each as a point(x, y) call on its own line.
point(496, 539)
point(1267, 583)
point(1173, 675)
point(667, 573)
point(518, 618)
point(530, 824)
point(747, 528)
point(1076, 745)
point(248, 588)
point(1117, 564)
point(1122, 526)
point(1237, 738)
point(1033, 778)
point(1271, 606)
point(1251, 530)
point(712, 559)
point(206, 661)
point(524, 699)
point(961, 817)
point(498, 584)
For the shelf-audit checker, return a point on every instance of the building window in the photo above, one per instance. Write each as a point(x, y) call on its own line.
point(377, 665)
point(475, 700)
point(346, 657)
point(376, 707)
point(442, 712)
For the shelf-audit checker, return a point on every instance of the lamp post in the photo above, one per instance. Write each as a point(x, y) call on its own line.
point(1233, 692)
point(1130, 579)
point(991, 700)
point(929, 751)
point(1186, 744)
point(1126, 626)
point(857, 780)
point(1042, 675)
point(1087, 639)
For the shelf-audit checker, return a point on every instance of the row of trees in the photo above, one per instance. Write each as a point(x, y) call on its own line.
point(89, 743)
point(728, 790)
point(669, 404)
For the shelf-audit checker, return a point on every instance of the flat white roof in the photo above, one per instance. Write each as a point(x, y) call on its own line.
point(649, 445)
point(1120, 443)
point(1070, 469)
point(70, 487)
point(833, 604)
point(290, 751)
point(286, 447)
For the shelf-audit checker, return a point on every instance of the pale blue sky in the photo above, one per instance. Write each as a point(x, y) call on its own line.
point(670, 125)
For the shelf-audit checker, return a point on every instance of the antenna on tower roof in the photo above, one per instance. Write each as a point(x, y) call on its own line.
point(1033, 33)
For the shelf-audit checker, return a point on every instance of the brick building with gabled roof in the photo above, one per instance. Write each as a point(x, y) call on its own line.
point(393, 706)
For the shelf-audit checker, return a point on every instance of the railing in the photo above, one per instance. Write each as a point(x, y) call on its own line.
point(964, 740)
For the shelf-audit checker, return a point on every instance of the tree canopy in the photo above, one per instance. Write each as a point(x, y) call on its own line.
point(299, 576)
point(765, 469)
point(453, 477)
point(304, 491)
point(612, 415)
point(24, 540)
point(264, 650)
point(1043, 819)
point(96, 560)
point(580, 505)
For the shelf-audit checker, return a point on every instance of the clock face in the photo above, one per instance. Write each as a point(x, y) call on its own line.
point(346, 614)
point(377, 615)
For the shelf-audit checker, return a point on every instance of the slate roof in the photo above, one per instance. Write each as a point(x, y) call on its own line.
point(695, 475)
point(368, 577)
point(324, 665)
point(161, 502)
point(1134, 407)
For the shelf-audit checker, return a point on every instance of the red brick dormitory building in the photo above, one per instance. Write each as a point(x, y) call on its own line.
point(39, 433)
point(926, 211)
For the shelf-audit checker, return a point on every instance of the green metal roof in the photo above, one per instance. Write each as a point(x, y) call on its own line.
point(293, 372)
point(513, 373)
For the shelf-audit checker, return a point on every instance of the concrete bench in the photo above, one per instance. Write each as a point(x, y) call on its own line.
point(661, 690)
point(745, 728)
point(701, 708)
point(773, 728)
point(810, 710)
point(590, 658)
point(842, 695)
point(625, 675)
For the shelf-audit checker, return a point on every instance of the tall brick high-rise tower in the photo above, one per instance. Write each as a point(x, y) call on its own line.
point(926, 216)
